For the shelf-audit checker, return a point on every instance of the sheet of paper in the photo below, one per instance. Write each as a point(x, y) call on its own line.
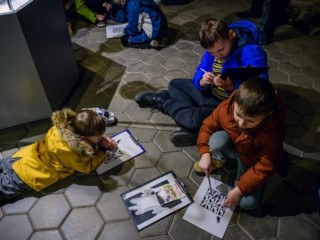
point(128, 148)
point(145, 206)
point(115, 31)
point(207, 211)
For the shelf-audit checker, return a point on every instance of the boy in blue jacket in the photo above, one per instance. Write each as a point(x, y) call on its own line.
point(147, 25)
point(190, 102)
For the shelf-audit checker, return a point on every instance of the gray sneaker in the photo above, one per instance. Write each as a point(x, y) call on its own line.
point(161, 43)
point(155, 43)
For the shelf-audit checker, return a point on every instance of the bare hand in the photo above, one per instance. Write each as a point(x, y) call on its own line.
point(233, 197)
point(207, 79)
point(107, 6)
point(205, 163)
point(225, 84)
point(100, 17)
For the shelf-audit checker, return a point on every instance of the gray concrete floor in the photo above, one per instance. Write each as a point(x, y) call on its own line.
point(89, 207)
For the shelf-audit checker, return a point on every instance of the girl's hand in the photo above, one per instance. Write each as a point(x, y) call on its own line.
point(233, 197)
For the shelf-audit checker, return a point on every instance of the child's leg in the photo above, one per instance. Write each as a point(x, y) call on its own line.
point(10, 184)
point(252, 200)
point(118, 16)
point(221, 146)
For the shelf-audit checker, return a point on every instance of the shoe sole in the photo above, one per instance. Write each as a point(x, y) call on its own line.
point(183, 140)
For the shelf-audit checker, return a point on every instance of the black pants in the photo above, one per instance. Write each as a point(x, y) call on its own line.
point(273, 13)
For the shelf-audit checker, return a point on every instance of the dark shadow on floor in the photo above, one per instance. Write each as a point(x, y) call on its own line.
point(302, 116)
point(294, 194)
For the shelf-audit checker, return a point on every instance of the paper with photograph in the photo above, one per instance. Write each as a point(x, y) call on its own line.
point(152, 201)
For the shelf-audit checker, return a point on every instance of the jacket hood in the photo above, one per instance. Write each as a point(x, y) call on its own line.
point(246, 31)
point(61, 120)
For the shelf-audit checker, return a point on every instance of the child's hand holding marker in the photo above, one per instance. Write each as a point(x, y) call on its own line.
point(210, 78)
point(207, 78)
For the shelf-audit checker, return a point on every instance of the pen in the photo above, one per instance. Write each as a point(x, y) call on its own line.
point(209, 184)
point(118, 141)
point(203, 70)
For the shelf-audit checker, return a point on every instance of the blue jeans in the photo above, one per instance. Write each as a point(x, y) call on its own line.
point(10, 184)
point(188, 106)
point(222, 147)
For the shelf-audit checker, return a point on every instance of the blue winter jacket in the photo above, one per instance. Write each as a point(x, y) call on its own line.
point(245, 52)
point(145, 16)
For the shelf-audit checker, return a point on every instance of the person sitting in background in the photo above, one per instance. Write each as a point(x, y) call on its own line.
point(96, 11)
point(190, 102)
point(249, 127)
point(272, 13)
point(74, 143)
point(147, 25)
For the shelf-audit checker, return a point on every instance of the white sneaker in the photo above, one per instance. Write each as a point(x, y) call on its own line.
point(100, 24)
point(108, 116)
point(155, 43)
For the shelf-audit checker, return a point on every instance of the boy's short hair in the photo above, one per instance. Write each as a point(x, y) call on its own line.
point(256, 97)
point(211, 31)
point(88, 123)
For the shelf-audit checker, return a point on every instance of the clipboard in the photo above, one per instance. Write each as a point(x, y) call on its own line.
point(128, 148)
point(243, 73)
point(143, 203)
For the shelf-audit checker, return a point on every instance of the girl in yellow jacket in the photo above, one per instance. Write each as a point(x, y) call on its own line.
point(74, 143)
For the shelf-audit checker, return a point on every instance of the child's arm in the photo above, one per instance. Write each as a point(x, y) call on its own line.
point(205, 163)
point(233, 197)
point(84, 11)
point(265, 166)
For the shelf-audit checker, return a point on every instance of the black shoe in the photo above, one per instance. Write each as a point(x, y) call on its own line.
point(183, 138)
point(152, 100)
point(248, 14)
point(125, 42)
point(265, 38)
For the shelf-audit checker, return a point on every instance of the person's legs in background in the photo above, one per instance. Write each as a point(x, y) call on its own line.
point(255, 10)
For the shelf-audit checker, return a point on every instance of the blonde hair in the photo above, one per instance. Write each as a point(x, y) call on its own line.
point(88, 123)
